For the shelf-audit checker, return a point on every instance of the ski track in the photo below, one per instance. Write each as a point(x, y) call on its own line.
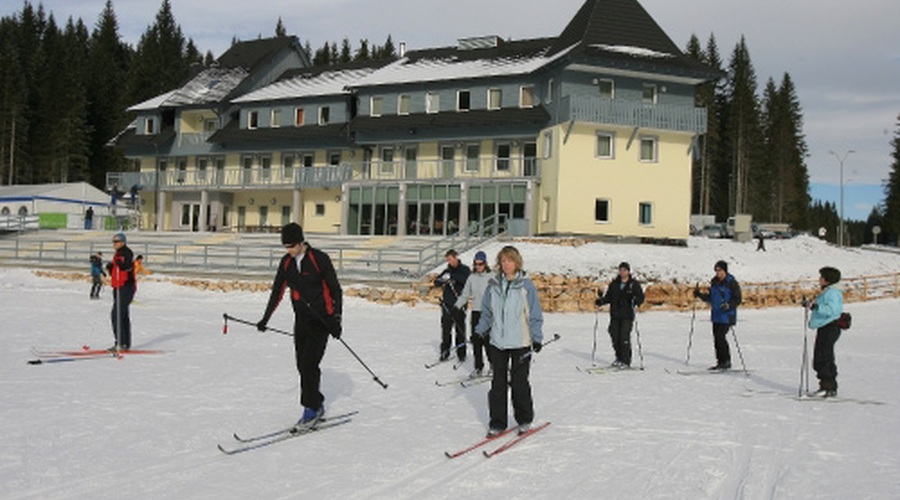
point(147, 427)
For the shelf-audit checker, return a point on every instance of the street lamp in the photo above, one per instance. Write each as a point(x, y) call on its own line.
point(841, 162)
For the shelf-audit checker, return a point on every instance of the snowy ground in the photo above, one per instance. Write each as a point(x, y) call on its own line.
point(147, 427)
point(785, 260)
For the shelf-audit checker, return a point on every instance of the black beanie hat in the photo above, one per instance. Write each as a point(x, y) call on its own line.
point(830, 275)
point(292, 233)
point(722, 265)
point(624, 265)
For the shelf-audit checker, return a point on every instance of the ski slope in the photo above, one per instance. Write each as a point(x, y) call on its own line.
point(148, 426)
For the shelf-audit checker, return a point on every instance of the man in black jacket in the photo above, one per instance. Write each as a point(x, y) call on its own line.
point(317, 301)
point(452, 280)
point(623, 295)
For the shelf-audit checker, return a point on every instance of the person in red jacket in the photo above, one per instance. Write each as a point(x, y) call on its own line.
point(316, 299)
point(121, 276)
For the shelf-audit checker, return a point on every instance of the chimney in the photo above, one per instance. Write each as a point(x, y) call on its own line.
point(402, 49)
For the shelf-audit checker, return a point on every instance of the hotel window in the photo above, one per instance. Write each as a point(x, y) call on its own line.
point(432, 102)
point(605, 145)
point(549, 97)
point(503, 153)
point(320, 210)
point(334, 158)
point(463, 100)
point(287, 166)
point(182, 168)
point(545, 210)
point(645, 213)
point(266, 166)
point(324, 115)
point(526, 97)
point(607, 89)
point(161, 164)
point(495, 98)
point(387, 160)
point(307, 159)
point(149, 125)
point(252, 120)
point(202, 163)
point(377, 105)
point(473, 155)
point(285, 214)
point(210, 125)
point(275, 118)
point(601, 210)
point(263, 215)
point(648, 149)
point(298, 117)
point(548, 144)
point(650, 93)
point(403, 104)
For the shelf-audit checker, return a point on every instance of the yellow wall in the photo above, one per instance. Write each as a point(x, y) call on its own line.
point(191, 122)
point(625, 181)
point(332, 218)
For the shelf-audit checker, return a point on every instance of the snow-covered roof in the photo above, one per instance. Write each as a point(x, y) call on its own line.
point(71, 191)
point(209, 86)
point(630, 50)
point(406, 70)
point(308, 85)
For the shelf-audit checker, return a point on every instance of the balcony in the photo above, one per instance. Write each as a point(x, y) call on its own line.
point(633, 114)
point(490, 168)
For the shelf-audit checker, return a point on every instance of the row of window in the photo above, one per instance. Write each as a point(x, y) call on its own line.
point(648, 152)
point(275, 117)
point(607, 89)
point(527, 99)
point(602, 210)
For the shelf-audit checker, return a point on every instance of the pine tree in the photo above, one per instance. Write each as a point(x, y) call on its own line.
point(362, 53)
point(346, 51)
point(161, 62)
point(388, 51)
point(892, 188)
point(279, 28)
point(706, 96)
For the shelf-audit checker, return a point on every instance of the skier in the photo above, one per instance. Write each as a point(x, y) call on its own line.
point(89, 218)
point(511, 320)
point(317, 302)
point(724, 297)
point(623, 295)
point(97, 274)
point(762, 242)
point(139, 267)
point(474, 289)
point(121, 276)
point(452, 280)
point(826, 310)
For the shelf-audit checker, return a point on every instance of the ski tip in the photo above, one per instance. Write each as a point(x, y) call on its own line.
point(35, 362)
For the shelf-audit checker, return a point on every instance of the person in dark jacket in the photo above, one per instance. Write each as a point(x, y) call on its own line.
point(724, 298)
point(623, 295)
point(317, 301)
point(121, 277)
point(97, 274)
point(452, 280)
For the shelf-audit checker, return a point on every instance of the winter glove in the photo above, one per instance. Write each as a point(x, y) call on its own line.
point(813, 306)
point(537, 346)
point(335, 326)
point(262, 325)
point(599, 302)
point(804, 303)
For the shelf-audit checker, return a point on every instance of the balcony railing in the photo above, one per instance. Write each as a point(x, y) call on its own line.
point(633, 114)
point(317, 177)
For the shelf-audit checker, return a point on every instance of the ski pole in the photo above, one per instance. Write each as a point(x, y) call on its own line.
point(691, 334)
point(594, 347)
point(637, 330)
point(227, 317)
point(804, 366)
point(364, 365)
point(460, 327)
point(545, 344)
point(451, 352)
point(740, 354)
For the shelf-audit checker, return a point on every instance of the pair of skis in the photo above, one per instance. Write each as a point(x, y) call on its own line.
point(518, 438)
point(245, 444)
point(86, 353)
point(599, 370)
point(467, 381)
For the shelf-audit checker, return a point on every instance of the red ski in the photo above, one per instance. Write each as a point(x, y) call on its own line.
point(478, 444)
point(518, 439)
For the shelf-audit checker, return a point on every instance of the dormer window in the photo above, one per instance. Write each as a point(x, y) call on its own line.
point(607, 89)
point(526, 97)
point(210, 125)
point(377, 105)
point(149, 125)
point(432, 102)
point(404, 103)
point(298, 117)
point(463, 100)
point(275, 121)
point(650, 93)
point(324, 115)
point(253, 120)
point(495, 98)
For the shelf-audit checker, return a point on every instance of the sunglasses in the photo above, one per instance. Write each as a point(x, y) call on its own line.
point(290, 245)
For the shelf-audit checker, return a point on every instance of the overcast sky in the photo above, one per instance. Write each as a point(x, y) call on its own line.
point(844, 57)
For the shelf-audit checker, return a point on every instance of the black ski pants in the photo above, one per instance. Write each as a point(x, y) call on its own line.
point(96, 285)
point(121, 315)
point(310, 339)
point(620, 334)
point(823, 356)
point(511, 367)
point(720, 341)
point(451, 318)
point(478, 347)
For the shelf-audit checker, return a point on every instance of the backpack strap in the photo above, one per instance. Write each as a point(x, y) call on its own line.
point(326, 292)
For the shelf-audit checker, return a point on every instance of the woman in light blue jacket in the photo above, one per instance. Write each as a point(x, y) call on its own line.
point(826, 310)
point(511, 318)
point(474, 289)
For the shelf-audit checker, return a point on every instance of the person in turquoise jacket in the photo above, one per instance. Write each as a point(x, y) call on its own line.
point(512, 321)
point(826, 310)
